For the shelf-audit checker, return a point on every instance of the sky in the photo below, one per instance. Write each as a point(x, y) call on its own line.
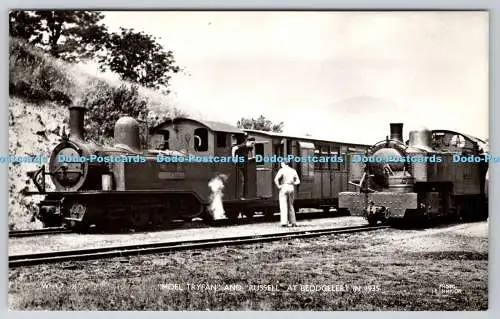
point(334, 75)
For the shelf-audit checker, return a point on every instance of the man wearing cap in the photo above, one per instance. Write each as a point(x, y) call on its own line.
point(286, 179)
point(244, 149)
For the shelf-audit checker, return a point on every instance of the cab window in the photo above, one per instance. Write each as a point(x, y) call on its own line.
point(221, 139)
point(200, 139)
point(259, 150)
point(166, 136)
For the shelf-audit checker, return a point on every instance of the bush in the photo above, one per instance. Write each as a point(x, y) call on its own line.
point(106, 104)
point(36, 77)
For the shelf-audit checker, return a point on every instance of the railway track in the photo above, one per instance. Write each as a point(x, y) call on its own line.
point(38, 232)
point(176, 224)
point(143, 249)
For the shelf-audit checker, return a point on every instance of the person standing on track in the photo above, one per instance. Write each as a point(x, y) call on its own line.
point(286, 179)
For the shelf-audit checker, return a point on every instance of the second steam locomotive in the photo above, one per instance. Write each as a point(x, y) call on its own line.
point(419, 179)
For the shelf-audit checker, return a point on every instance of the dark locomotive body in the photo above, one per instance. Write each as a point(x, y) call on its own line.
point(420, 179)
point(145, 191)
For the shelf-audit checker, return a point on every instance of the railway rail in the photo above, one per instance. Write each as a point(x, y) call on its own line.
point(154, 248)
point(38, 232)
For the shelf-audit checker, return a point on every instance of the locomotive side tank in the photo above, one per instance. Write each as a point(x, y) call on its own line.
point(418, 179)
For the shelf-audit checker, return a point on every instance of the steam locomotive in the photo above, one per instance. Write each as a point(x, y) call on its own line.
point(90, 189)
point(437, 173)
point(123, 185)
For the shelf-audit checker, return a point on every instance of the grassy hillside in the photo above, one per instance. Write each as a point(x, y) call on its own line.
point(40, 90)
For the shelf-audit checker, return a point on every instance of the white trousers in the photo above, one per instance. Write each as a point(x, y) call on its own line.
point(286, 198)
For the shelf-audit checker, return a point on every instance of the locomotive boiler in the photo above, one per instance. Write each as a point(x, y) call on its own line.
point(419, 179)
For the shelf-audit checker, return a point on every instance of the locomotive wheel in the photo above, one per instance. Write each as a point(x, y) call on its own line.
point(415, 219)
point(232, 215)
point(53, 221)
point(189, 208)
point(396, 222)
point(422, 221)
point(207, 216)
point(140, 219)
point(372, 220)
point(464, 212)
point(483, 210)
point(268, 213)
point(161, 217)
point(479, 210)
point(249, 216)
point(343, 212)
point(454, 215)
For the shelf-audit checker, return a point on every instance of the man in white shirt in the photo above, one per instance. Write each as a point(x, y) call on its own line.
point(286, 179)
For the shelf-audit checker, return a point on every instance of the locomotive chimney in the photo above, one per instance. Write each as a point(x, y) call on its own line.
point(76, 118)
point(397, 131)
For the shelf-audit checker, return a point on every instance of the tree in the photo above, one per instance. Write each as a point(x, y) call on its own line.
point(138, 58)
point(69, 35)
point(261, 123)
point(22, 24)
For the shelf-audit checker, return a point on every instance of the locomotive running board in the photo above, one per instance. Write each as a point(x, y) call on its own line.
point(114, 192)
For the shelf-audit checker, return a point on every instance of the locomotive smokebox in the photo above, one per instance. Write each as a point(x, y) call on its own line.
point(397, 132)
point(76, 122)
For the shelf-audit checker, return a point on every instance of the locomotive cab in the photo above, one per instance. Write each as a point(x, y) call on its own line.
point(208, 145)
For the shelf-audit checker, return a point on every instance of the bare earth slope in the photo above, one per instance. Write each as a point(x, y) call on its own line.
point(33, 131)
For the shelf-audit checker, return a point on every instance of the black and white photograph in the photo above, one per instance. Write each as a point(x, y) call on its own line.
point(248, 160)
